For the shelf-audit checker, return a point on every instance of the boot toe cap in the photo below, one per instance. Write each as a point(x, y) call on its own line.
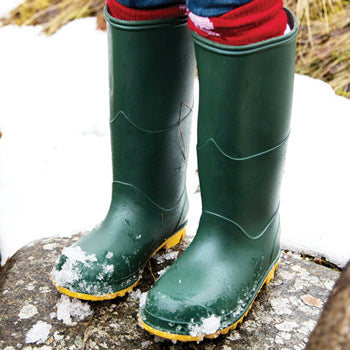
point(178, 318)
point(79, 274)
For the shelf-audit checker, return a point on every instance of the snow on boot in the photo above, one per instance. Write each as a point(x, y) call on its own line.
point(151, 95)
point(244, 123)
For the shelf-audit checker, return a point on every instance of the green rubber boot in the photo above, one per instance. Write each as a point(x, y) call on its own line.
point(244, 120)
point(151, 95)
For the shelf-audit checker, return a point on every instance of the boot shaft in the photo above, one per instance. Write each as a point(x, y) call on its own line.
point(243, 127)
point(151, 97)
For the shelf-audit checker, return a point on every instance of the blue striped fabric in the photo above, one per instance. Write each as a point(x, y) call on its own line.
point(206, 8)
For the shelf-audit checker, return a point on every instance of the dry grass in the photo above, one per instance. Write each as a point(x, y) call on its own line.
point(323, 49)
point(323, 44)
point(53, 14)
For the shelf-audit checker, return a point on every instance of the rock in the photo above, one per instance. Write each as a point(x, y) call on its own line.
point(333, 328)
point(281, 318)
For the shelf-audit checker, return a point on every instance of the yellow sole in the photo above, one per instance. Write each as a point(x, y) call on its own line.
point(169, 243)
point(188, 338)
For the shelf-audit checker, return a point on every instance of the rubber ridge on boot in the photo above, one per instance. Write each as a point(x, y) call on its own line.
point(151, 95)
point(243, 127)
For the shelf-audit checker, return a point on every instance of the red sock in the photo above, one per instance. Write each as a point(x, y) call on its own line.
point(256, 21)
point(120, 11)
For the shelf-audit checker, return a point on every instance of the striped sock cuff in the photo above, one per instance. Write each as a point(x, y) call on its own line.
point(254, 22)
point(122, 12)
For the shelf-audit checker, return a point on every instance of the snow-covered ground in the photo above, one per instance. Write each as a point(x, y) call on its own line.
point(55, 168)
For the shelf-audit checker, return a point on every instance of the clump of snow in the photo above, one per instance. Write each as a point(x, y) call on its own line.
point(172, 255)
point(208, 325)
point(241, 305)
point(143, 298)
point(68, 308)
point(75, 253)
point(58, 337)
point(162, 272)
point(27, 311)
point(38, 333)
point(135, 294)
point(109, 255)
point(68, 273)
point(107, 270)
point(71, 273)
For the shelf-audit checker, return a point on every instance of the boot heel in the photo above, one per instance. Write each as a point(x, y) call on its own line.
point(175, 239)
point(271, 274)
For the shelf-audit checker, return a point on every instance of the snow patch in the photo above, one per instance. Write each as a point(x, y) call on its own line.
point(208, 325)
point(107, 270)
point(162, 272)
point(75, 253)
point(68, 308)
point(166, 257)
point(58, 337)
point(8, 5)
point(135, 294)
point(38, 333)
point(241, 305)
point(69, 273)
point(143, 298)
point(109, 255)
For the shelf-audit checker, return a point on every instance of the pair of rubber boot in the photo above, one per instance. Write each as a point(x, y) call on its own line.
point(243, 126)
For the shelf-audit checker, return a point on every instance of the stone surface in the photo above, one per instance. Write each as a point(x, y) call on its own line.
point(283, 315)
point(333, 329)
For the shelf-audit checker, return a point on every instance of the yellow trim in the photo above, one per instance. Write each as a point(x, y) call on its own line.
point(187, 338)
point(83, 296)
point(169, 243)
point(173, 240)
